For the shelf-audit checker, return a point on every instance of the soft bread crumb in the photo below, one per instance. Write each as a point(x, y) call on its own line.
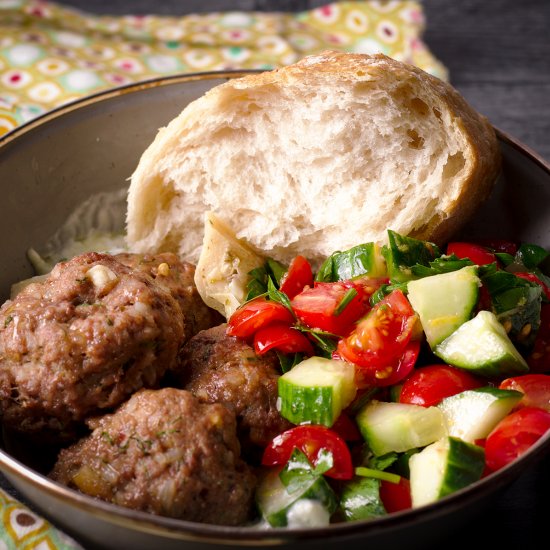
point(315, 157)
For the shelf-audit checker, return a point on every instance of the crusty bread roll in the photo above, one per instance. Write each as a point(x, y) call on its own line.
point(315, 157)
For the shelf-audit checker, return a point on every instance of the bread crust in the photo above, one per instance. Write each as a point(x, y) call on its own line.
point(148, 226)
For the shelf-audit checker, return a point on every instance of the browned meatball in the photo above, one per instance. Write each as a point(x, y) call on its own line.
point(165, 453)
point(83, 340)
point(179, 278)
point(222, 369)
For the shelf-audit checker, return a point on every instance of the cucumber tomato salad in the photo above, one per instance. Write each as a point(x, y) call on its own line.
point(408, 373)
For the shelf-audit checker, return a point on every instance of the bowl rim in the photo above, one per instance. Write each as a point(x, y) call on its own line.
point(246, 535)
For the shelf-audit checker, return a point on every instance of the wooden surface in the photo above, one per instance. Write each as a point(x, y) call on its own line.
point(498, 55)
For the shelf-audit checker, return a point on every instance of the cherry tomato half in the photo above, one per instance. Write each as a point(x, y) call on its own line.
point(256, 314)
point(311, 439)
point(346, 428)
point(396, 496)
point(298, 276)
point(499, 245)
point(320, 307)
point(539, 358)
point(535, 387)
point(427, 386)
point(514, 435)
point(534, 279)
point(282, 337)
point(390, 373)
point(382, 335)
point(475, 252)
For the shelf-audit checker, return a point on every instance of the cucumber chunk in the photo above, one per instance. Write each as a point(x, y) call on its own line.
point(361, 260)
point(399, 427)
point(360, 499)
point(444, 302)
point(472, 414)
point(444, 467)
point(481, 345)
point(316, 390)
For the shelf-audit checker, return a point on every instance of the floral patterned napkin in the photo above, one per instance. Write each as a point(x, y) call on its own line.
point(51, 55)
point(20, 528)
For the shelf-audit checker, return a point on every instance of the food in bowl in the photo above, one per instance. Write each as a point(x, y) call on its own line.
point(298, 474)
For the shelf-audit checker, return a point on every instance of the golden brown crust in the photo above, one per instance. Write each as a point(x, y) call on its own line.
point(480, 133)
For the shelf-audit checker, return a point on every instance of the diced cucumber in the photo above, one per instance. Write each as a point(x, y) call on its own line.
point(316, 390)
point(472, 414)
point(402, 253)
point(444, 467)
point(444, 302)
point(482, 345)
point(360, 499)
point(364, 259)
point(399, 427)
point(280, 493)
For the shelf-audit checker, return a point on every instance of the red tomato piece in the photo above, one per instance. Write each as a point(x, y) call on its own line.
point(311, 440)
point(298, 276)
point(282, 337)
point(499, 245)
point(256, 314)
point(484, 301)
point(382, 335)
point(539, 359)
point(396, 496)
point(535, 387)
point(346, 428)
point(475, 252)
point(427, 386)
point(391, 373)
point(318, 307)
point(514, 435)
point(534, 279)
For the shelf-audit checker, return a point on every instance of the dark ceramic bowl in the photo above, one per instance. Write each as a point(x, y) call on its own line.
point(51, 165)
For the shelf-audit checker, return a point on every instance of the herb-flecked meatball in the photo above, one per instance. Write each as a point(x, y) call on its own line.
point(179, 278)
point(223, 369)
point(83, 341)
point(166, 453)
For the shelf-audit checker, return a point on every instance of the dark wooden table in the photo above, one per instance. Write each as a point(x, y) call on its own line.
point(498, 55)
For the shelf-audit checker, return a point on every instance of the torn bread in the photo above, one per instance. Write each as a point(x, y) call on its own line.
point(315, 157)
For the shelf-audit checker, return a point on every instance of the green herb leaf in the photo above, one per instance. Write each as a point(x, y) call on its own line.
point(384, 290)
point(345, 301)
point(289, 361)
point(325, 461)
point(382, 462)
point(275, 270)
point(504, 258)
point(531, 255)
point(402, 253)
point(277, 296)
point(377, 474)
point(325, 342)
point(298, 472)
point(363, 259)
point(260, 277)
